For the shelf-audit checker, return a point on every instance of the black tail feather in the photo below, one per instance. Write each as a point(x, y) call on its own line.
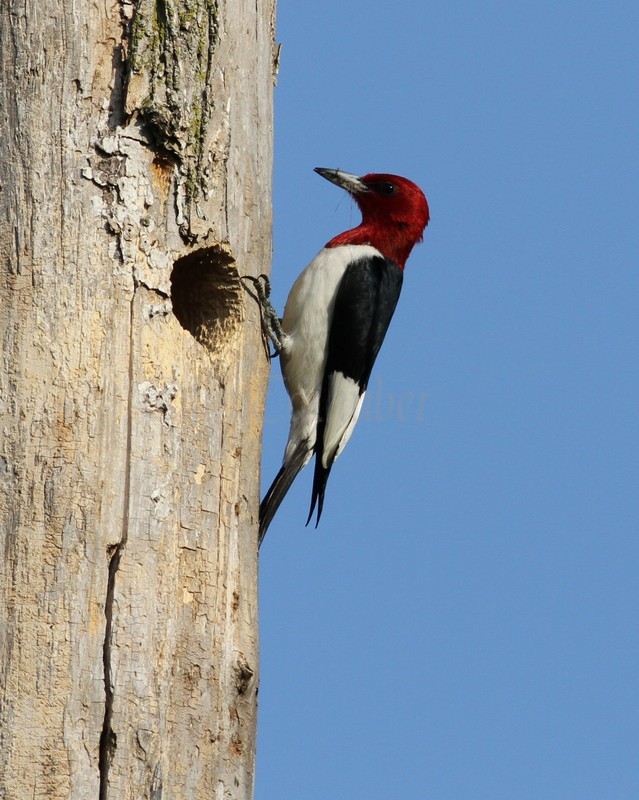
point(320, 478)
point(280, 487)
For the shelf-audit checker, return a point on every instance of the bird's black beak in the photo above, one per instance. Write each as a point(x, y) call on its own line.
point(344, 180)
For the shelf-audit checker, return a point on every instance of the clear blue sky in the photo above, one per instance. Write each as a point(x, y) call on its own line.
point(464, 623)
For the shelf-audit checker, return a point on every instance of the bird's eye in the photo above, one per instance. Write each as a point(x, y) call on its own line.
point(386, 188)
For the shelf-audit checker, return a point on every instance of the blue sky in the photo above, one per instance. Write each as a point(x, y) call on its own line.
point(463, 623)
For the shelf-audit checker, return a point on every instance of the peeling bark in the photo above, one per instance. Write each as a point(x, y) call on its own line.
point(135, 174)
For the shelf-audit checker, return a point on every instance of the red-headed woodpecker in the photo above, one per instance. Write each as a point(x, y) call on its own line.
point(334, 323)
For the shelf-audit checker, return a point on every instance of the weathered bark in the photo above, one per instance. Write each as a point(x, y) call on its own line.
point(135, 175)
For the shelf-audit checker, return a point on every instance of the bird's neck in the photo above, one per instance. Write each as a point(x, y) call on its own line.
point(394, 243)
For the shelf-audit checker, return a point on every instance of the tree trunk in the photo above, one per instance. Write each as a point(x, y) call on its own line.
point(135, 188)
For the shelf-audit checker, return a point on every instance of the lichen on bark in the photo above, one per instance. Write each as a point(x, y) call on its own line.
point(170, 58)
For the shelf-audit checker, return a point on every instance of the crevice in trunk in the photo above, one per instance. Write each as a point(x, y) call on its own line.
point(108, 737)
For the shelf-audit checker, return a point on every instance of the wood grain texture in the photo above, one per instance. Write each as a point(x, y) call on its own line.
point(129, 458)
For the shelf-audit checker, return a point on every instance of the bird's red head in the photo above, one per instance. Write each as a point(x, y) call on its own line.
point(394, 212)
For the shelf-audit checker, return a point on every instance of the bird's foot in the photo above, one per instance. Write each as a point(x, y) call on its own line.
point(271, 324)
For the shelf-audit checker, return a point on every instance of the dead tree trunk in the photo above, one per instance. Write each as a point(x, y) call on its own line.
point(135, 187)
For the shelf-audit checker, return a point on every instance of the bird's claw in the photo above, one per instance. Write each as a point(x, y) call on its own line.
point(271, 325)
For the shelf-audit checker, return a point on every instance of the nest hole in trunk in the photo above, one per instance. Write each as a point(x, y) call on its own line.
point(206, 294)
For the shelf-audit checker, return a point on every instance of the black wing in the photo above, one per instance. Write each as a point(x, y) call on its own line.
point(364, 305)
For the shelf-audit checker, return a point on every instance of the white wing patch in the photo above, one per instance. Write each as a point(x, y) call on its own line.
point(342, 410)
